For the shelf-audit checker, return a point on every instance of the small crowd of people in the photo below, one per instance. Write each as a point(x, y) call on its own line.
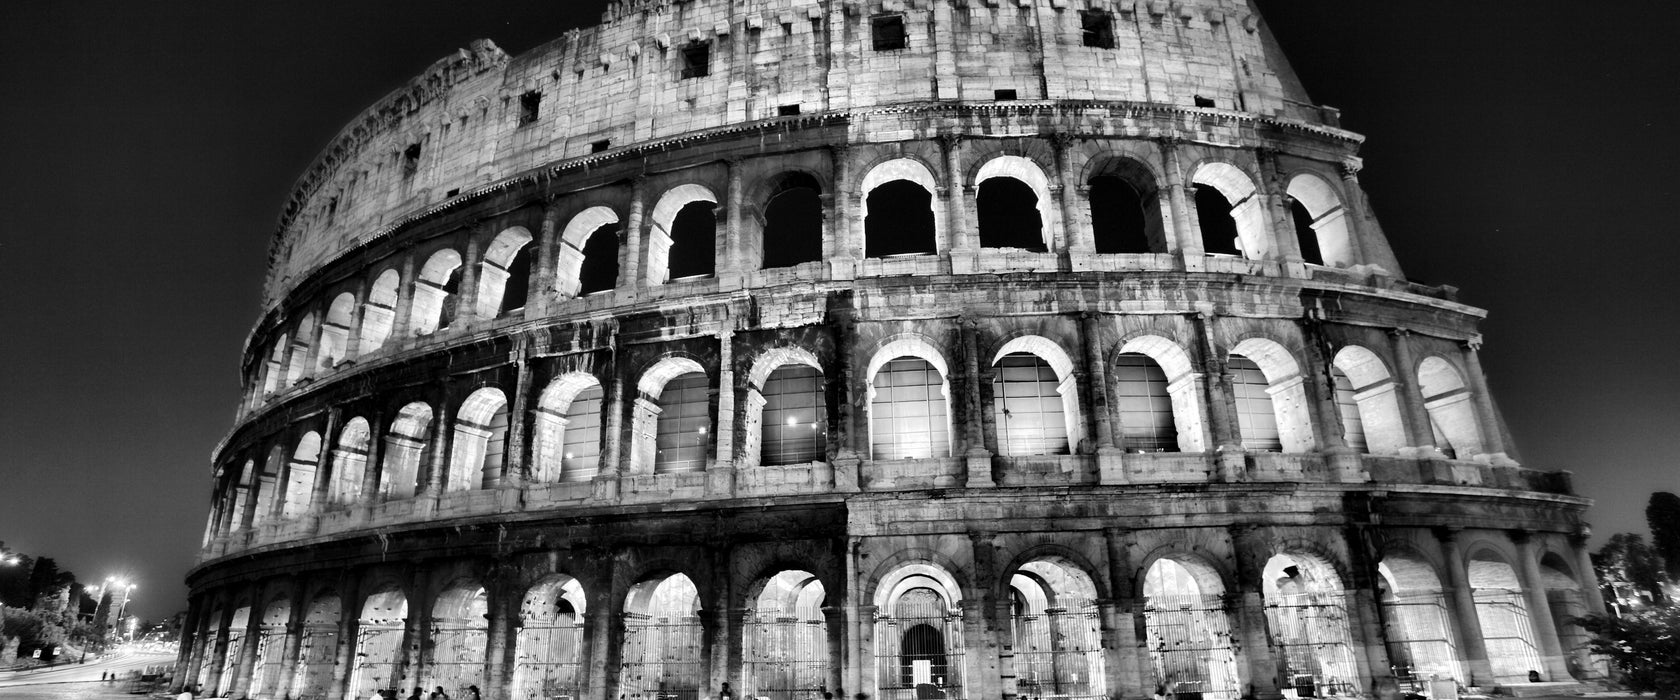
point(471, 693)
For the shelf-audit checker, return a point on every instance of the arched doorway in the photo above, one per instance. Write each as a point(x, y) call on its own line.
point(1187, 620)
point(459, 639)
point(1507, 629)
point(919, 636)
point(1306, 610)
point(379, 636)
point(663, 641)
point(317, 647)
point(784, 639)
point(1416, 619)
point(271, 642)
point(1057, 631)
point(548, 655)
point(235, 653)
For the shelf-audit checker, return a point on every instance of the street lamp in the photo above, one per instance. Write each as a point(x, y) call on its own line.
point(127, 592)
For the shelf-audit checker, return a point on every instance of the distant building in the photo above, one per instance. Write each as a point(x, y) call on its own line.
point(917, 348)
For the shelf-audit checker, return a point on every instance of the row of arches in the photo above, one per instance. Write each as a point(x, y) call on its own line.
point(1014, 208)
point(910, 412)
point(1200, 627)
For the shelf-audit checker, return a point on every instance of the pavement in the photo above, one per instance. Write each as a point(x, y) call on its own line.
point(79, 681)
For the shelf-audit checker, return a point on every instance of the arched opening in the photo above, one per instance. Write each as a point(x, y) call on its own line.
point(274, 371)
point(1219, 230)
point(1145, 406)
point(784, 639)
point(1229, 212)
point(682, 241)
point(1365, 396)
point(663, 641)
point(349, 462)
point(436, 293)
point(235, 654)
point(405, 443)
point(1057, 631)
point(1120, 217)
point(548, 658)
point(793, 222)
point(1270, 396)
point(794, 416)
point(207, 647)
point(1507, 628)
point(1321, 223)
point(1188, 630)
point(1564, 601)
point(380, 311)
point(1009, 215)
point(1034, 404)
point(240, 498)
point(481, 427)
point(684, 429)
point(898, 220)
point(300, 475)
point(1306, 612)
point(1452, 415)
point(1417, 621)
point(599, 270)
point(909, 409)
point(335, 332)
point(588, 259)
point(317, 647)
point(918, 635)
point(1256, 418)
point(504, 277)
point(459, 637)
point(269, 487)
point(379, 649)
point(567, 444)
point(297, 366)
point(271, 640)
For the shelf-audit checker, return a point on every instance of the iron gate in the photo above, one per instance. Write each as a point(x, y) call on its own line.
point(317, 654)
point(230, 662)
point(378, 653)
point(457, 658)
point(661, 659)
point(919, 657)
point(1189, 638)
point(548, 664)
point(786, 658)
point(1508, 634)
point(1058, 654)
point(1420, 638)
point(1311, 634)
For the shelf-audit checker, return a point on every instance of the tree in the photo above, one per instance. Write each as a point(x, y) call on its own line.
point(1663, 515)
point(1628, 567)
point(1644, 645)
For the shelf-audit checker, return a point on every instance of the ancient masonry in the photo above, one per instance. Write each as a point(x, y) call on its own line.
point(918, 348)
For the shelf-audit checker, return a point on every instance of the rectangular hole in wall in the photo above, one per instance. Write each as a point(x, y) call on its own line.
point(697, 60)
point(1003, 95)
point(887, 32)
point(599, 146)
point(787, 111)
point(529, 105)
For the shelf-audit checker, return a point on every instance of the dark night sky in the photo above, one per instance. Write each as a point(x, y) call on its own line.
point(1522, 151)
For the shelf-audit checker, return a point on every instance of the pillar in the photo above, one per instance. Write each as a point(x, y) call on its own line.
point(958, 235)
point(402, 317)
point(516, 468)
point(416, 630)
point(978, 459)
point(188, 651)
point(1279, 224)
point(1419, 436)
point(1222, 421)
point(439, 442)
point(293, 642)
point(1078, 238)
point(1125, 658)
point(613, 455)
point(1539, 608)
point(375, 459)
point(845, 393)
point(248, 655)
point(1487, 418)
point(1264, 668)
point(349, 616)
point(720, 473)
point(982, 633)
point(327, 462)
point(544, 274)
point(503, 605)
point(1472, 650)
point(219, 646)
point(466, 296)
point(1591, 595)
point(1353, 200)
point(1189, 239)
point(1110, 455)
point(843, 245)
point(732, 257)
point(630, 268)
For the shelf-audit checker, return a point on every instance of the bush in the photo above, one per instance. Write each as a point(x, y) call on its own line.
point(1644, 645)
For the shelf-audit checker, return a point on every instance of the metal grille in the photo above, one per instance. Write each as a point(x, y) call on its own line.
point(1507, 633)
point(1256, 418)
point(378, 653)
point(457, 658)
point(1190, 649)
point(317, 652)
point(794, 417)
point(786, 658)
point(230, 661)
point(1146, 415)
point(1028, 407)
point(661, 659)
point(1058, 654)
point(1311, 634)
point(684, 417)
point(581, 455)
point(918, 654)
point(266, 677)
point(547, 664)
point(1419, 640)
point(907, 416)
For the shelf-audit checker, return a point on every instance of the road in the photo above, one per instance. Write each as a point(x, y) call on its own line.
point(80, 681)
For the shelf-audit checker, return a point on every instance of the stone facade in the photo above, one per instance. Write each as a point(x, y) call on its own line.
point(919, 348)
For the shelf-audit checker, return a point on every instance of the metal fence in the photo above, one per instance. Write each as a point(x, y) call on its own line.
point(785, 658)
point(661, 659)
point(1058, 654)
point(919, 656)
point(548, 661)
point(1310, 631)
point(1190, 650)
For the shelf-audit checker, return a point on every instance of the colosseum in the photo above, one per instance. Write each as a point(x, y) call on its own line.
point(789, 349)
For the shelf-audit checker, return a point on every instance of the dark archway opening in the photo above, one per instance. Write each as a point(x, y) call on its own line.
point(1117, 216)
point(1009, 216)
point(518, 280)
point(900, 220)
point(793, 220)
point(1219, 230)
point(1305, 234)
point(922, 643)
point(693, 241)
point(451, 298)
point(599, 271)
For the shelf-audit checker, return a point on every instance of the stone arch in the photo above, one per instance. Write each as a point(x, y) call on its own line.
point(349, 462)
point(1065, 387)
point(1452, 413)
point(379, 648)
point(1285, 390)
point(407, 441)
point(663, 236)
point(788, 212)
point(785, 634)
point(1124, 203)
point(690, 421)
point(1057, 629)
point(1247, 212)
point(1417, 616)
point(1366, 397)
point(914, 232)
point(300, 475)
point(1188, 626)
point(890, 438)
point(1326, 226)
point(297, 365)
point(459, 636)
point(990, 219)
point(567, 441)
point(271, 639)
point(274, 370)
point(504, 276)
point(380, 312)
point(335, 332)
point(664, 610)
point(1566, 603)
point(578, 251)
point(1309, 620)
point(480, 444)
point(1180, 388)
point(1507, 623)
point(318, 645)
point(548, 658)
point(436, 292)
point(794, 429)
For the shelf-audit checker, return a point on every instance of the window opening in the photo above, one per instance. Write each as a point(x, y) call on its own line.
point(684, 425)
point(900, 220)
point(518, 285)
point(887, 32)
point(1003, 95)
point(1146, 414)
point(1305, 234)
point(793, 225)
point(908, 417)
point(1219, 229)
point(697, 60)
point(411, 160)
point(599, 271)
point(530, 104)
point(795, 419)
point(598, 146)
point(1009, 216)
point(1097, 28)
point(1204, 101)
point(452, 193)
point(1117, 219)
point(1027, 407)
point(581, 449)
point(787, 111)
point(1353, 427)
point(1256, 419)
point(693, 241)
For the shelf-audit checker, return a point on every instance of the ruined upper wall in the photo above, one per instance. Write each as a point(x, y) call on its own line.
point(478, 116)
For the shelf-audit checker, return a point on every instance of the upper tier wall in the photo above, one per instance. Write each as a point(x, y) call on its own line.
point(478, 116)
